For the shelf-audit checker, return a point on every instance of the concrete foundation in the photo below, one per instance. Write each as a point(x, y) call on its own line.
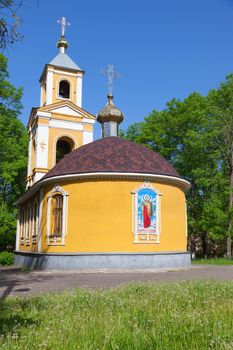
point(77, 261)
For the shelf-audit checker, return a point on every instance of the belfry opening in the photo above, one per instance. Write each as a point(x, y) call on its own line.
point(64, 146)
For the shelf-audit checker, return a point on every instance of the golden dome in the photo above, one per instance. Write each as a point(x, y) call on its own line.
point(110, 113)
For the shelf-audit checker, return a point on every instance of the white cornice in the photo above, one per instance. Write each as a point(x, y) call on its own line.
point(43, 114)
point(177, 181)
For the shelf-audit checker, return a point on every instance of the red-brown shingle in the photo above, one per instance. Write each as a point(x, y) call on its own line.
point(112, 154)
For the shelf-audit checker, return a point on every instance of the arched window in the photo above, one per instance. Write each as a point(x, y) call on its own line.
point(64, 89)
point(22, 226)
point(35, 222)
point(57, 208)
point(28, 224)
point(64, 146)
point(57, 216)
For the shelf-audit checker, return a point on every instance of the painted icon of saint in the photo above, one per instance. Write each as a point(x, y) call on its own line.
point(147, 211)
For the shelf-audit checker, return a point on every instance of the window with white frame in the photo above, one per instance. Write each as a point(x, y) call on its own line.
point(28, 224)
point(35, 219)
point(57, 208)
point(22, 225)
point(146, 214)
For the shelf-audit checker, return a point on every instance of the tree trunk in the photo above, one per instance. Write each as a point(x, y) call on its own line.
point(229, 229)
point(204, 245)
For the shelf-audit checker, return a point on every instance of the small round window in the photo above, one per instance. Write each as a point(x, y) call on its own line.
point(64, 89)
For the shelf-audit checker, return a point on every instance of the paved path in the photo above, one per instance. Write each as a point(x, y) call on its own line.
point(15, 282)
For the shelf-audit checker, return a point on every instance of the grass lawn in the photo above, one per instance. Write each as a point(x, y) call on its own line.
point(166, 316)
point(217, 261)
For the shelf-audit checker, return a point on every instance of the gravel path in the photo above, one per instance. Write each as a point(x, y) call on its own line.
point(15, 282)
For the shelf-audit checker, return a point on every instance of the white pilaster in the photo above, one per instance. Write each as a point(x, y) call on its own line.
point(41, 95)
point(79, 91)
point(18, 229)
point(49, 87)
point(87, 137)
point(29, 153)
point(42, 137)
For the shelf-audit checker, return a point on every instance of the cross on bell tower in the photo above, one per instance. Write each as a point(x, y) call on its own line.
point(63, 43)
point(64, 24)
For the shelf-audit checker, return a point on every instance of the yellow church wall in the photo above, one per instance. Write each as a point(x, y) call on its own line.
point(57, 77)
point(88, 127)
point(100, 218)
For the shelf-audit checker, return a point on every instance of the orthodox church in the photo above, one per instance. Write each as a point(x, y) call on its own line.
point(104, 204)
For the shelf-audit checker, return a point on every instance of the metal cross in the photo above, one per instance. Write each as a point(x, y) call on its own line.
point(64, 24)
point(111, 74)
point(42, 145)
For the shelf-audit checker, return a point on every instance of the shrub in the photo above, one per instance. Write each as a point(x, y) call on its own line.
point(6, 258)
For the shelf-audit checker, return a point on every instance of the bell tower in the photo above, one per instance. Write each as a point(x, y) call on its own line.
point(59, 125)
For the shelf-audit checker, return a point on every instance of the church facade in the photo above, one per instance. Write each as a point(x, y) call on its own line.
point(104, 204)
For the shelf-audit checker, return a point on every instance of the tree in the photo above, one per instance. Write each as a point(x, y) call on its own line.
point(13, 155)
point(221, 101)
point(9, 22)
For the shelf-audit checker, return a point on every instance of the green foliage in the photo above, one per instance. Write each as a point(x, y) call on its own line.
point(190, 315)
point(6, 258)
point(13, 155)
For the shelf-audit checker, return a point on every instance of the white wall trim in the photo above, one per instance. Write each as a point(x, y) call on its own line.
point(18, 230)
point(65, 73)
point(29, 153)
point(43, 114)
point(65, 124)
point(79, 90)
point(88, 121)
point(87, 137)
point(49, 87)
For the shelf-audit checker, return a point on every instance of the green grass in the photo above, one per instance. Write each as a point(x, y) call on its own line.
point(217, 261)
point(166, 316)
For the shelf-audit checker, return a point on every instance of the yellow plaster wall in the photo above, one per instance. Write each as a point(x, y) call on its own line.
point(100, 218)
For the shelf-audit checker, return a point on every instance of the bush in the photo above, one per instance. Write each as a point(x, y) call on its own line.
point(6, 258)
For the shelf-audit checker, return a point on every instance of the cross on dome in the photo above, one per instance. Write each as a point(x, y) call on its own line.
point(111, 74)
point(63, 22)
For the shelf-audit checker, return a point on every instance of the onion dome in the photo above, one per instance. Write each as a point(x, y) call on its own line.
point(62, 44)
point(110, 117)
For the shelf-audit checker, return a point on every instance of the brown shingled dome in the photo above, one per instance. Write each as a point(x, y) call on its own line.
point(112, 154)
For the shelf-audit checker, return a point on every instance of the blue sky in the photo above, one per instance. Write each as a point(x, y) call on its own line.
point(162, 49)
